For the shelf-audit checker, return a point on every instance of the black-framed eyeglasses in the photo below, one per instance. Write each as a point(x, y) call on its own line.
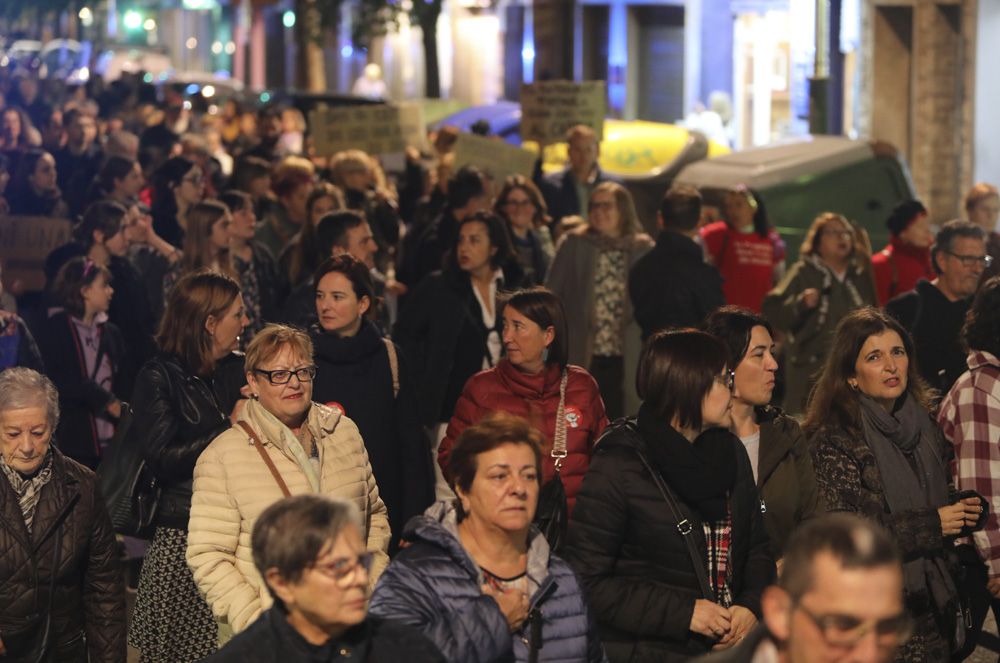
point(343, 570)
point(284, 376)
point(845, 631)
point(972, 261)
point(728, 379)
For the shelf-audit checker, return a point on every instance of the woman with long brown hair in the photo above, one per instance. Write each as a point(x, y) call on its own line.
point(206, 243)
point(878, 453)
point(521, 206)
point(184, 397)
point(832, 277)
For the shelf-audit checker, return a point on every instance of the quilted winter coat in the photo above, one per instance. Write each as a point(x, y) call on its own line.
point(233, 485)
point(88, 609)
point(435, 586)
point(536, 398)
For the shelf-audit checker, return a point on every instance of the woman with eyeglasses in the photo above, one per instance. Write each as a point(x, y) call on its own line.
point(878, 453)
point(832, 278)
point(521, 206)
point(590, 275)
point(178, 184)
point(667, 535)
point(281, 444)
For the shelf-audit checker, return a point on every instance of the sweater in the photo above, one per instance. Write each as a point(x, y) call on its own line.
point(233, 485)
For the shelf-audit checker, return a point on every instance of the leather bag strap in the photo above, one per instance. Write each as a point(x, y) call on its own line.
point(267, 459)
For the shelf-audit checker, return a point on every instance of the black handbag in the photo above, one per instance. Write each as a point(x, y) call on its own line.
point(552, 512)
point(130, 489)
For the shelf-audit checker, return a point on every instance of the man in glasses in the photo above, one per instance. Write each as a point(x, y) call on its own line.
point(310, 553)
point(934, 311)
point(839, 599)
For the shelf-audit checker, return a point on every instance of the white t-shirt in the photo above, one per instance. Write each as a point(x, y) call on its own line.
point(752, 444)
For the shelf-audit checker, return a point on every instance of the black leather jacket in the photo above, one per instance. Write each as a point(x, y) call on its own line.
point(177, 415)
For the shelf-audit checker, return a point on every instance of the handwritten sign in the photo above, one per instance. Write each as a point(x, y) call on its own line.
point(25, 241)
point(549, 108)
point(496, 156)
point(374, 129)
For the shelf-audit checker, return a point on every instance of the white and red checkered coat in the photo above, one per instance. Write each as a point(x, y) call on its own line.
point(970, 418)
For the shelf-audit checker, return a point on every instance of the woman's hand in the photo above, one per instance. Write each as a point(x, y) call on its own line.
point(710, 619)
point(741, 624)
point(809, 298)
point(513, 604)
point(958, 515)
point(114, 408)
point(3, 650)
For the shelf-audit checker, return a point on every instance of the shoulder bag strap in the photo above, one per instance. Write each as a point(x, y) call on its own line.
point(390, 349)
point(267, 459)
point(559, 441)
point(684, 526)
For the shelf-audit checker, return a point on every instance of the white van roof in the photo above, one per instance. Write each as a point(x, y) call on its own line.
point(761, 167)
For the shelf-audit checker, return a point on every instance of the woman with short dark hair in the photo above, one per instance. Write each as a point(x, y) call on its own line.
point(667, 535)
point(535, 380)
point(878, 453)
point(178, 184)
point(477, 579)
point(450, 325)
point(778, 451)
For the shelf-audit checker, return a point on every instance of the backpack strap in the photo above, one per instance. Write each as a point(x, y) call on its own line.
point(894, 281)
point(390, 349)
point(267, 459)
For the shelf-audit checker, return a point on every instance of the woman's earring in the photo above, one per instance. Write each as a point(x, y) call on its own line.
point(853, 385)
point(545, 355)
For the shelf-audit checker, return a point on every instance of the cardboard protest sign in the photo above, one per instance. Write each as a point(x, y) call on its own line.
point(25, 241)
point(496, 156)
point(549, 108)
point(374, 129)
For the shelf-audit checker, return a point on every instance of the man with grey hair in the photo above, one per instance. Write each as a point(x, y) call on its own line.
point(934, 311)
point(839, 598)
point(312, 557)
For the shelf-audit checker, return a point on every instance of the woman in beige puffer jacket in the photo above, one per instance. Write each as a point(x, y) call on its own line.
point(233, 484)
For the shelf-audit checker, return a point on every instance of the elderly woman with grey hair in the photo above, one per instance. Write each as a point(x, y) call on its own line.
point(61, 588)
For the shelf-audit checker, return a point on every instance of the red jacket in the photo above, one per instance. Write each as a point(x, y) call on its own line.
point(898, 267)
point(536, 398)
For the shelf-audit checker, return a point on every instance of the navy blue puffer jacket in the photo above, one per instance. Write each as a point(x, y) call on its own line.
point(435, 585)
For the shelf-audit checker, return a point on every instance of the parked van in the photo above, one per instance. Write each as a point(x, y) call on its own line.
point(801, 178)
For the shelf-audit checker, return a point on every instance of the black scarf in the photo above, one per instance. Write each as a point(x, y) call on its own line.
point(907, 451)
point(702, 473)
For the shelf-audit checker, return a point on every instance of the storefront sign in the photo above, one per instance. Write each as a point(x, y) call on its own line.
point(499, 158)
point(549, 108)
point(25, 241)
point(374, 129)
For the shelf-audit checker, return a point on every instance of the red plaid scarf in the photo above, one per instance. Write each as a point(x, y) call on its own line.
point(718, 537)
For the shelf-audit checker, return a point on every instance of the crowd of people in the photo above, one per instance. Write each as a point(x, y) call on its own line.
point(433, 415)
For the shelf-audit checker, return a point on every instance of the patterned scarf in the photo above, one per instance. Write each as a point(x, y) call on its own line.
point(29, 490)
point(718, 537)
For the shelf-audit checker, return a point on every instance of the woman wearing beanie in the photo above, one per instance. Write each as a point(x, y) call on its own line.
point(907, 257)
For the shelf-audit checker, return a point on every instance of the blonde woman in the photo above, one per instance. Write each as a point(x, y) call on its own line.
point(590, 274)
point(281, 444)
point(831, 279)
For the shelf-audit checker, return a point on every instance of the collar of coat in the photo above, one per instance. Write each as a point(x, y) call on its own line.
point(439, 527)
point(777, 438)
point(320, 422)
point(981, 359)
point(58, 496)
point(527, 385)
